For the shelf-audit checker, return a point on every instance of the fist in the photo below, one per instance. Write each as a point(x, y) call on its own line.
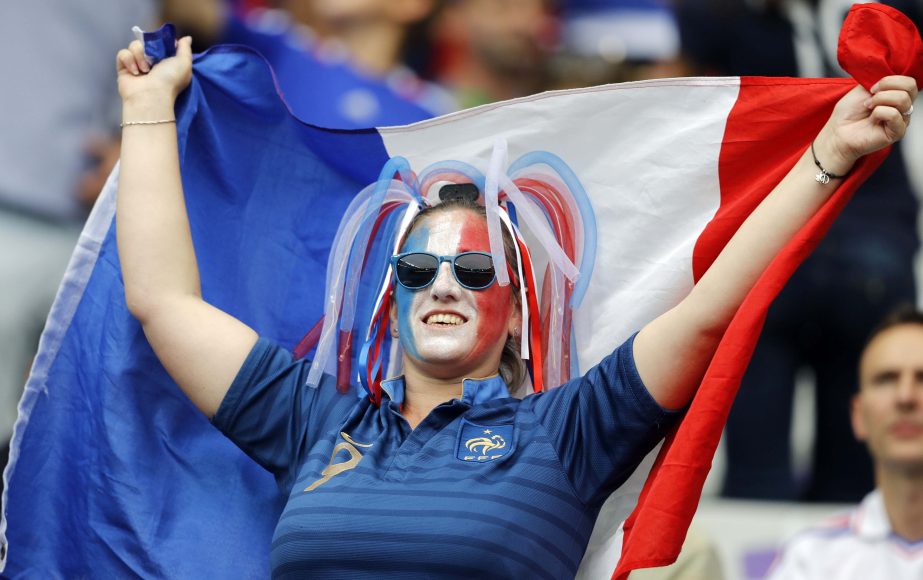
point(167, 78)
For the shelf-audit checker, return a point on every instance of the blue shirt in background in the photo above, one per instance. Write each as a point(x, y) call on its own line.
point(332, 93)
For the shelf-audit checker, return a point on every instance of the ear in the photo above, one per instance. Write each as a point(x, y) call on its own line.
point(514, 326)
point(392, 315)
point(855, 415)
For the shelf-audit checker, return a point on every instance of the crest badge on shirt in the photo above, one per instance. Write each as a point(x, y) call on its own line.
point(484, 443)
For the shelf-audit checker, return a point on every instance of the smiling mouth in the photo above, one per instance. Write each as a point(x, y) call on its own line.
point(444, 319)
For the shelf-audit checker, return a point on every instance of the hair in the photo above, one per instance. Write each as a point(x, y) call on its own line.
point(512, 370)
point(903, 314)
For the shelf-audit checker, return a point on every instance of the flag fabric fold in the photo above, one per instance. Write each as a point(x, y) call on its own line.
point(113, 472)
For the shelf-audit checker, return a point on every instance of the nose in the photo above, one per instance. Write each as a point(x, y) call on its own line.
point(909, 390)
point(445, 286)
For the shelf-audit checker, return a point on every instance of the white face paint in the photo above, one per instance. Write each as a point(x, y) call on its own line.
point(445, 329)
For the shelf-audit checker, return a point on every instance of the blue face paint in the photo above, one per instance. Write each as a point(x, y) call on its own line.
point(416, 242)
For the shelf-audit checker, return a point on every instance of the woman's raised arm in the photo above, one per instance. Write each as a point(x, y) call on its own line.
point(673, 351)
point(201, 347)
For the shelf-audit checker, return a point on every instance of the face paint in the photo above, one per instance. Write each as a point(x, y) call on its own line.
point(493, 303)
point(416, 242)
point(445, 326)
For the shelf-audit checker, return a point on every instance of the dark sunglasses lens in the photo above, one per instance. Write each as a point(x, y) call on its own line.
point(474, 270)
point(416, 270)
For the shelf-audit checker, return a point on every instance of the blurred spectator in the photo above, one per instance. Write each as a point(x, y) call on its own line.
point(344, 71)
point(492, 50)
point(605, 41)
point(858, 273)
point(883, 537)
point(58, 110)
point(634, 30)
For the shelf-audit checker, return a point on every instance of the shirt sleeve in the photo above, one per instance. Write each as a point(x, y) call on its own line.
point(273, 415)
point(602, 424)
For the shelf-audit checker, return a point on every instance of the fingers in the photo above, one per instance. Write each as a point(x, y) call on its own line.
point(900, 100)
point(132, 59)
point(137, 50)
point(891, 120)
point(891, 104)
point(125, 62)
point(898, 83)
point(184, 48)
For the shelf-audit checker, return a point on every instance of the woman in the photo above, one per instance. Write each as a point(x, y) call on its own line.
point(448, 476)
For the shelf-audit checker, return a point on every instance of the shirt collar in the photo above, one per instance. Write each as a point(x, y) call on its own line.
point(394, 388)
point(870, 521)
point(474, 391)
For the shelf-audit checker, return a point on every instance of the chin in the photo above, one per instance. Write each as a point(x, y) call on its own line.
point(434, 356)
point(444, 345)
point(444, 359)
point(906, 461)
point(908, 468)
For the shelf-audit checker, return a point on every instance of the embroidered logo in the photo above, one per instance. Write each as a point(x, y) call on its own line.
point(333, 469)
point(483, 443)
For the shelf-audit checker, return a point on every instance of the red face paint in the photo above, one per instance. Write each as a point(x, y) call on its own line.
point(493, 303)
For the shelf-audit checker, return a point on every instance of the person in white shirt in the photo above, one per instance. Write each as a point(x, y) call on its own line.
point(883, 537)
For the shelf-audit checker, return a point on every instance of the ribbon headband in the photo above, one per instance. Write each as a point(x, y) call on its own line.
point(537, 193)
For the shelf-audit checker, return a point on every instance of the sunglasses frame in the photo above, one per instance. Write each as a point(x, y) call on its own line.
point(439, 260)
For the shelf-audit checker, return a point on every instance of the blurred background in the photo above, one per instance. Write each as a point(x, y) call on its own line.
point(788, 457)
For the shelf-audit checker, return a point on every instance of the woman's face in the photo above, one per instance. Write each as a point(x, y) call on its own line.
point(446, 330)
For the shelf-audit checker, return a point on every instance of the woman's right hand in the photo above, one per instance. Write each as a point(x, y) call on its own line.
point(200, 346)
point(166, 79)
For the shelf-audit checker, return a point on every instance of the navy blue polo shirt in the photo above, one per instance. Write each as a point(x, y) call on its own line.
point(486, 486)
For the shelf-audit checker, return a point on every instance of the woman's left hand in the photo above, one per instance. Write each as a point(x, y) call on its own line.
point(863, 122)
point(674, 350)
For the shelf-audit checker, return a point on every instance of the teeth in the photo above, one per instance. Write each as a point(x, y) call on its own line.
point(450, 319)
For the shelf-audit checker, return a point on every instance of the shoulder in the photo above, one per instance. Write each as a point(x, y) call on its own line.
point(271, 377)
point(815, 548)
point(616, 387)
point(266, 359)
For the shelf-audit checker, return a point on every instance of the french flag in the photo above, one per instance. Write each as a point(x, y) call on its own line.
point(114, 473)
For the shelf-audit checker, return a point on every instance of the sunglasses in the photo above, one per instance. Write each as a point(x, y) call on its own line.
point(417, 270)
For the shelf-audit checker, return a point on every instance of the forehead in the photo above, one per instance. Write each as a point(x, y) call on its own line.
point(447, 233)
point(897, 347)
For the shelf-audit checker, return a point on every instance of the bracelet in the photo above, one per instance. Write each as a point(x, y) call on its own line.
point(824, 176)
point(124, 124)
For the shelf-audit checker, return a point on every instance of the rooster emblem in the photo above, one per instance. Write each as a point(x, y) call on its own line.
point(481, 445)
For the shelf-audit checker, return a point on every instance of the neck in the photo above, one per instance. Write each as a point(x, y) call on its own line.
point(903, 497)
point(374, 46)
point(425, 388)
point(423, 393)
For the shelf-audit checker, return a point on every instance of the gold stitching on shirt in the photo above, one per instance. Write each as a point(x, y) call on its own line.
point(334, 469)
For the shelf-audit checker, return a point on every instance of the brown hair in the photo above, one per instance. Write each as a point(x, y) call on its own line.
point(511, 368)
point(903, 314)
point(900, 316)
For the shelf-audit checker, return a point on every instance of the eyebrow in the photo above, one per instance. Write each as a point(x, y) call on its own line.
point(885, 375)
point(893, 374)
